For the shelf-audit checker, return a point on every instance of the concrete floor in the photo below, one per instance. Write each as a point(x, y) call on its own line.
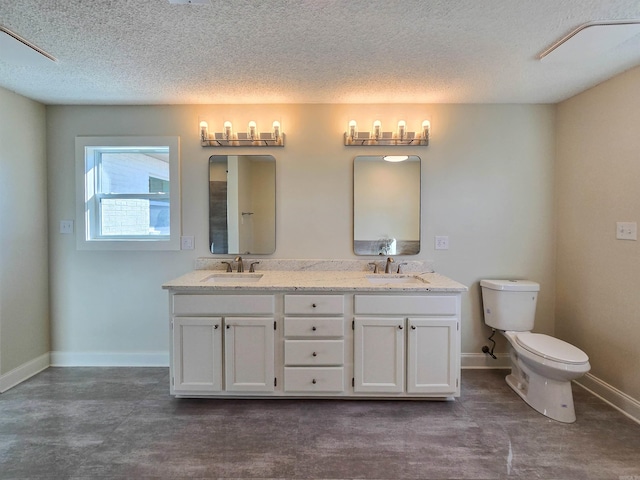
point(121, 423)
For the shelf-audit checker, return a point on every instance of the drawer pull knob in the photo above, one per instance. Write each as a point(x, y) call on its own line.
point(400, 327)
point(314, 354)
point(313, 381)
point(313, 328)
point(413, 327)
point(313, 305)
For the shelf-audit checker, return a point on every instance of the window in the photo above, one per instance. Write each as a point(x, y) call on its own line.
point(128, 193)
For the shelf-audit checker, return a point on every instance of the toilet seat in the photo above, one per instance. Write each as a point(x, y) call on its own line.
point(551, 348)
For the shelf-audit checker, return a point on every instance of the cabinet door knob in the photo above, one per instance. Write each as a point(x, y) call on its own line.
point(215, 327)
point(400, 327)
point(413, 327)
point(313, 328)
point(314, 354)
point(313, 381)
point(228, 327)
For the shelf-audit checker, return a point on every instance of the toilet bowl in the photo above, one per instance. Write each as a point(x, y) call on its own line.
point(542, 367)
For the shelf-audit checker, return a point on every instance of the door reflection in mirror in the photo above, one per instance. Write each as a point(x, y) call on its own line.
point(242, 204)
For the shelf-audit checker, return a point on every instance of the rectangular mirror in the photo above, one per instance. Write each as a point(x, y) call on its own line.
point(242, 204)
point(386, 205)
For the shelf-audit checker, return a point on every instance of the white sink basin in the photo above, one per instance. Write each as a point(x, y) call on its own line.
point(386, 279)
point(233, 278)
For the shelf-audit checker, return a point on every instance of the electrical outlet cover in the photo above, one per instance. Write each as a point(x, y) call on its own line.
point(442, 242)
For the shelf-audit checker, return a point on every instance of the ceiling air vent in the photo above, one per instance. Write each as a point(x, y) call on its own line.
point(190, 2)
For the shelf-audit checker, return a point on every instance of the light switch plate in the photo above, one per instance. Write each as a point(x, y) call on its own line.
point(187, 242)
point(626, 230)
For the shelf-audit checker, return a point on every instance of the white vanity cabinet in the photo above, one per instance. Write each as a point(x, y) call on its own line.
point(222, 343)
point(331, 343)
point(416, 352)
point(314, 344)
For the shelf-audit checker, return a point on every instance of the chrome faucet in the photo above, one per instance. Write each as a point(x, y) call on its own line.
point(240, 264)
point(387, 268)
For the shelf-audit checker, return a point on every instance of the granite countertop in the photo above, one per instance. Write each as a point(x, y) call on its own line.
point(309, 275)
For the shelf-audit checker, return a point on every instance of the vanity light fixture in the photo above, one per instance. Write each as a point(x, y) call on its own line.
point(379, 137)
point(251, 138)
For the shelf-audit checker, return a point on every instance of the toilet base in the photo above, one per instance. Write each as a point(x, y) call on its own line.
point(551, 398)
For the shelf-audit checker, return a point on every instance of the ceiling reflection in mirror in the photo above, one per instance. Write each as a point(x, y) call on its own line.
point(386, 206)
point(242, 204)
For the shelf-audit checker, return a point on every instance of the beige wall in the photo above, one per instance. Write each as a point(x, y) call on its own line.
point(487, 181)
point(598, 184)
point(24, 300)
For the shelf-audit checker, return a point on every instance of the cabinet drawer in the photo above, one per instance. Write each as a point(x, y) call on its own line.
point(313, 327)
point(314, 352)
point(222, 304)
point(312, 379)
point(313, 304)
point(406, 304)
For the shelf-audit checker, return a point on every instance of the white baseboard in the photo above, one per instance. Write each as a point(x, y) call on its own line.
point(611, 395)
point(23, 372)
point(109, 359)
point(480, 360)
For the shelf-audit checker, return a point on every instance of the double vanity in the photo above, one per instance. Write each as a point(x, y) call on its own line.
point(306, 328)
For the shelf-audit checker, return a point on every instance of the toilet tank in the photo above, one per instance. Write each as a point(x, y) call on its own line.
point(509, 304)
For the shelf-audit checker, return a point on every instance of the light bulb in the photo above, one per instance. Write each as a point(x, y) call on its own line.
point(204, 131)
point(227, 132)
point(252, 133)
point(352, 132)
point(402, 129)
point(426, 130)
point(275, 130)
point(377, 129)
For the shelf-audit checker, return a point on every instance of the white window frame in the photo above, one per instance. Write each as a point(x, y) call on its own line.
point(86, 220)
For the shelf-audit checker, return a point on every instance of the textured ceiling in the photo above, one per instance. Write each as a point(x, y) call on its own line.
point(308, 51)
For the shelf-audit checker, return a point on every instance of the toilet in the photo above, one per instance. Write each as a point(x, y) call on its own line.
point(542, 367)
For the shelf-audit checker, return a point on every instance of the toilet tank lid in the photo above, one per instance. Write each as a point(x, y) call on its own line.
point(511, 285)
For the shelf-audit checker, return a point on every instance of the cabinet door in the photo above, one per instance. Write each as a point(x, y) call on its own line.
point(432, 355)
point(197, 354)
point(378, 354)
point(249, 354)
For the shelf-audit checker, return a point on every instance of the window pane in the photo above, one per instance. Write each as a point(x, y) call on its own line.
point(131, 172)
point(134, 217)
